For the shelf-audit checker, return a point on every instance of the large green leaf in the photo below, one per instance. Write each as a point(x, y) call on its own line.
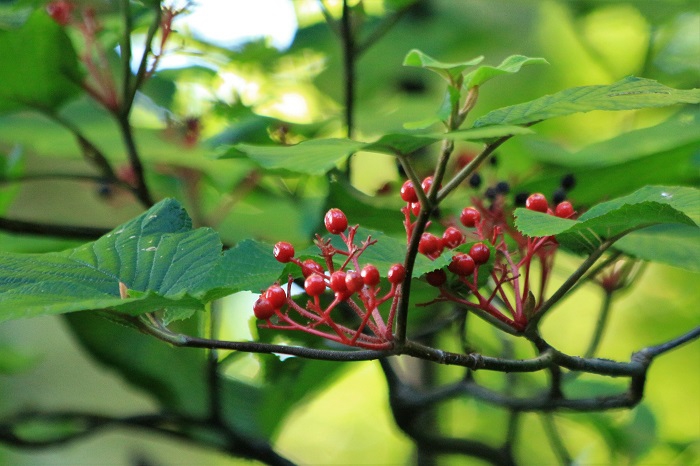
point(449, 71)
point(38, 65)
point(318, 156)
point(630, 93)
point(157, 255)
point(510, 65)
point(648, 206)
point(675, 245)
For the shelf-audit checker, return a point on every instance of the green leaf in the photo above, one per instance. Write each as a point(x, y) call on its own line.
point(38, 66)
point(675, 245)
point(648, 206)
point(449, 71)
point(13, 361)
point(631, 93)
point(158, 255)
point(510, 65)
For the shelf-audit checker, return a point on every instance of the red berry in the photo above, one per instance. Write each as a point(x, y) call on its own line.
point(462, 265)
point(470, 217)
point(408, 192)
point(310, 266)
point(429, 244)
point(263, 309)
point(396, 274)
point(336, 222)
point(415, 209)
point(480, 253)
point(537, 202)
point(370, 275)
point(276, 295)
point(314, 285)
point(436, 278)
point(564, 209)
point(338, 282)
point(60, 11)
point(354, 281)
point(452, 237)
point(426, 184)
point(283, 252)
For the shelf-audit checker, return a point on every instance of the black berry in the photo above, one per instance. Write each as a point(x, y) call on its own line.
point(475, 180)
point(568, 182)
point(503, 187)
point(521, 198)
point(490, 193)
point(559, 195)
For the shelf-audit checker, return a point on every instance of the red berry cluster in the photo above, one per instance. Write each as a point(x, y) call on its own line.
point(489, 229)
point(358, 287)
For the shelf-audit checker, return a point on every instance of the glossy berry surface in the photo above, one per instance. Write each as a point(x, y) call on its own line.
point(462, 265)
point(480, 253)
point(338, 282)
point(426, 184)
point(310, 266)
point(429, 244)
point(314, 285)
point(408, 192)
point(396, 274)
point(354, 281)
point(470, 217)
point(276, 296)
point(263, 309)
point(370, 275)
point(436, 278)
point(452, 237)
point(283, 252)
point(336, 222)
point(415, 208)
point(564, 209)
point(537, 202)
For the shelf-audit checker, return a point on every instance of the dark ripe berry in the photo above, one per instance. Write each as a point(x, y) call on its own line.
point(564, 209)
point(104, 190)
point(408, 192)
point(521, 198)
point(263, 309)
point(503, 187)
point(568, 182)
point(537, 202)
point(336, 222)
point(462, 264)
point(338, 282)
point(283, 252)
point(396, 274)
point(452, 237)
point(276, 295)
point(370, 275)
point(470, 217)
point(429, 244)
point(314, 285)
point(490, 193)
point(60, 11)
point(494, 160)
point(354, 281)
point(480, 253)
point(426, 184)
point(415, 209)
point(559, 195)
point(436, 278)
point(310, 266)
point(475, 180)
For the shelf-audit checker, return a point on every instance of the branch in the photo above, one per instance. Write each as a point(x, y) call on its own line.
point(50, 229)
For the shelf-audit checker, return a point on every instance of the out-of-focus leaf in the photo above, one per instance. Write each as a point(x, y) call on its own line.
point(13, 361)
point(631, 93)
point(510, 65)
point(449, 71)
point(675, 245)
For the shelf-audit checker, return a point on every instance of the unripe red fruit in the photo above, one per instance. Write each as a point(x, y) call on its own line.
point(452, 237)
point(462, 265)
point(470, 217)
point(60, 11)
point(310, 266)
point(537, 202)
point(276, 296)
point(336, 222)
point(370, 275)
point(408, 192)
point(396, 274)
point(354, 282)
point(415, 209)
point(429, 244)
point(338, 282)
point(263, 309)
point(314, 285)
point(564, 209)
point(283, 252)
point(436, 278)
point(480, 253)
